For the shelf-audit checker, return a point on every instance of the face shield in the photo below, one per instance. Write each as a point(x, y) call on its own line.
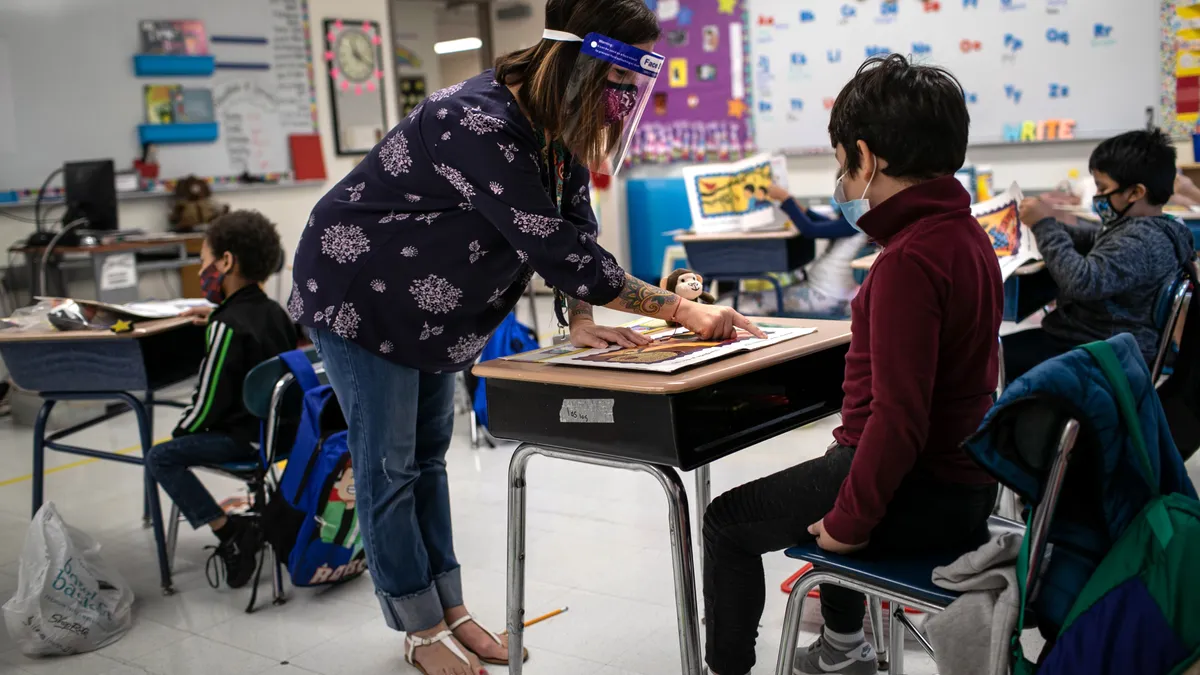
point(628, 76)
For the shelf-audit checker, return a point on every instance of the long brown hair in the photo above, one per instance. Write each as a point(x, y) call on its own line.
point(544, 72)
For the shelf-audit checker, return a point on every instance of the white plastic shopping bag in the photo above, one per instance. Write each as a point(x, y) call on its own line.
point(68, 601)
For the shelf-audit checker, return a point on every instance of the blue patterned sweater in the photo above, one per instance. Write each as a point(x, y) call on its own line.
point(421, 251)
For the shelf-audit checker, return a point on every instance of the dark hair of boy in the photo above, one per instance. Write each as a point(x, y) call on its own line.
point(1145, 157)
point(913, 116)
point(546, 70)
point(748, 189)
point(251, 239)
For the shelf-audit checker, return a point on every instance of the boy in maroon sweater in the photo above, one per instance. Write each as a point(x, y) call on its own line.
point(920, 372)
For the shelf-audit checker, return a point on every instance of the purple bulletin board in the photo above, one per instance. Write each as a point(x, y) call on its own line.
point(700, 109)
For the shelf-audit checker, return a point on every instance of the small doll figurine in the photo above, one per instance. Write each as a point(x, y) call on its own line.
point(688, 285)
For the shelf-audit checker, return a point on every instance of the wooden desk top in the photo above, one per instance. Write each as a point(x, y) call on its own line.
point(829, 334)
point(140, 329)
point(788, 233)
point(1032, 267)
point(166, 239)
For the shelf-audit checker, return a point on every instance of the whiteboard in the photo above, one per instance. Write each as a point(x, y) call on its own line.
point(1010, 55)
point(68, 90)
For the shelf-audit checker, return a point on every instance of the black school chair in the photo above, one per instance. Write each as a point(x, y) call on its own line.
point(906, 582)
point(271, 394)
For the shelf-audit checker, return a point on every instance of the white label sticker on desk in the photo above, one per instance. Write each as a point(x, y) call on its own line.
point(118, 271)
point(586, 411)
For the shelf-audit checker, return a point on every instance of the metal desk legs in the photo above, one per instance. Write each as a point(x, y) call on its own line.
point(681, 550)
point(43, 441)
point(703, 497)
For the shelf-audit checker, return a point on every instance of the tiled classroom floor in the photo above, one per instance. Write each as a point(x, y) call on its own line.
point(598, 543)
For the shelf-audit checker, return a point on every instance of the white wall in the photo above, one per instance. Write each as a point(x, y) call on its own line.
point(509, 36)
point(287, 207)
point(416, 27)
point(454, 24)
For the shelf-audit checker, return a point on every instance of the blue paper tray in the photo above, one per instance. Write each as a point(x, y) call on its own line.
point(181, 132)
point(184, 65)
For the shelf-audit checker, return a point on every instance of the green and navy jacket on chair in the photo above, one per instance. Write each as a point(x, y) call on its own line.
point(1104, 490)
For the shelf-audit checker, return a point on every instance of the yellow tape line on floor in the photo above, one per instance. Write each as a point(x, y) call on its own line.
point(123, 451)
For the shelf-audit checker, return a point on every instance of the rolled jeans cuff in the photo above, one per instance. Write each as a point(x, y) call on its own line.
point(426, 608)
point(449, 588)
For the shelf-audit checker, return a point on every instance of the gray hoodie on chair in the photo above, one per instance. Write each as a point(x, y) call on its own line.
point(971, 637)
point(1109, 278)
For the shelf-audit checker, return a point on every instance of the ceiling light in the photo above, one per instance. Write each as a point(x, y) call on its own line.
point(452, 46)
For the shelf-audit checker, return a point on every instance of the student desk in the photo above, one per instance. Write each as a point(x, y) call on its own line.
point(739, 256)
point(1029, 289)
point(114, 265)
point(657, 423)
point(104, 366)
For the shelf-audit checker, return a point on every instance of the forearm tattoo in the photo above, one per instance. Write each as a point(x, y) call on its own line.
point(578, 309)
point(641, 298)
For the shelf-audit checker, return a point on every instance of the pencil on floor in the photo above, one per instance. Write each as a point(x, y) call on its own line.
point(547, 615)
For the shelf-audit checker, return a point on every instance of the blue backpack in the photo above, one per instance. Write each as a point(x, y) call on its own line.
point(318, 482)
point(511, 337)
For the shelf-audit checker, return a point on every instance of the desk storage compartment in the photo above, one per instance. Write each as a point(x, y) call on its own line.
point(1024, 295)
point(106, 364)
point(681, 430)
point(748, 256)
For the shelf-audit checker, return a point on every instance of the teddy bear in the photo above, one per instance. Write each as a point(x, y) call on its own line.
point(194, 206)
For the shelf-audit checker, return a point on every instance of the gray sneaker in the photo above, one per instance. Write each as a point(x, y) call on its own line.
point(821, 657)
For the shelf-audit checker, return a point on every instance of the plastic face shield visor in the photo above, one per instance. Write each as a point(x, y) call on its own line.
point(628, 74)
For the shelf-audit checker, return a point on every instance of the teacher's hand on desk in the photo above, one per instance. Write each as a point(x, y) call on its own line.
point(714, 321)
point(585, 333)
point(638, 297)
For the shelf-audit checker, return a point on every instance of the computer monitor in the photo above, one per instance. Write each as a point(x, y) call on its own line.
point(91, 192)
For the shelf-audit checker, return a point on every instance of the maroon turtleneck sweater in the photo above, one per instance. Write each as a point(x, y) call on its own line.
point(923, 358)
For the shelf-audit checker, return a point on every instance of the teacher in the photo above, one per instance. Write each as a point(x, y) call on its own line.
point(410, 262)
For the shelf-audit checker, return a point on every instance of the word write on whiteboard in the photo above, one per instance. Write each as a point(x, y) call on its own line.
point(1042, 130)
point(1016, 60)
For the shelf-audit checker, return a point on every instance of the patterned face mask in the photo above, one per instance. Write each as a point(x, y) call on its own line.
point(210, 283)
point(619, 101)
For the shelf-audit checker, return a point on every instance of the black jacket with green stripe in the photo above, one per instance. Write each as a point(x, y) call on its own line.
point(247, 329)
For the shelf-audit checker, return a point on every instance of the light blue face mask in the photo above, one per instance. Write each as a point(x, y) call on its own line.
point(853, 209)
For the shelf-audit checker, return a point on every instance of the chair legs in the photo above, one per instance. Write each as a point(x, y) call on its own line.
point(875, 608)
point(172, 536)
point(890, 654)
point(896, 640)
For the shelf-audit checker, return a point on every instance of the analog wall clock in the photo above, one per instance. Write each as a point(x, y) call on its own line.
point(354, 57)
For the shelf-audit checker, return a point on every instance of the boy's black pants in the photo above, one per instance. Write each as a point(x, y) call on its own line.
point(773, 513)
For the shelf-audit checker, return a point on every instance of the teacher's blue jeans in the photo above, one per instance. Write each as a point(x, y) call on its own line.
point(401, 421)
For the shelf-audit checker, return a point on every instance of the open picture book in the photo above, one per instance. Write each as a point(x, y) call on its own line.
point(673, 349)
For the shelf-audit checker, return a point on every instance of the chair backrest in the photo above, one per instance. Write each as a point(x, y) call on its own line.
point(271, 394)
point(1042, 513)
point(1169, 315)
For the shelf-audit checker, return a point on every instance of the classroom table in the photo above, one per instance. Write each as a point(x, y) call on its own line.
point(657, 423)
point(747, 256)
point(114, 264)
point(101, 365)
point(1029, 268)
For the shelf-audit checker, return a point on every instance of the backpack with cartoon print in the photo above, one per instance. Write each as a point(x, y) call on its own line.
point(318, 482)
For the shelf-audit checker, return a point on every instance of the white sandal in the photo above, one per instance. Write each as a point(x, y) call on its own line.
point(446, 637)
point(492, 662)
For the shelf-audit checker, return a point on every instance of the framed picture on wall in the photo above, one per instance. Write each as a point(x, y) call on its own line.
point(354, 55)
point(412, 93)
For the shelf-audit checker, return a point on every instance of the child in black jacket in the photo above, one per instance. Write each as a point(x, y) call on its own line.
point(241, 249)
